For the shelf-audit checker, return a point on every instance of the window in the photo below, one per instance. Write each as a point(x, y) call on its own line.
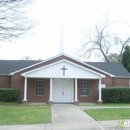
point(39, 88)
point(84, 90)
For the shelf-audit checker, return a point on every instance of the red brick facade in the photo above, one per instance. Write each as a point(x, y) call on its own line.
point(107, 80)
point(5, 81)
point(93, 91)
point(120, 82)
point(17, 81)
point(31, 91)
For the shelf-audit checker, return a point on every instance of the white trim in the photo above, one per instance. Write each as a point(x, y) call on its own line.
point(120, 76)
point(62, 54)
point(48, 77)
point(24, 74)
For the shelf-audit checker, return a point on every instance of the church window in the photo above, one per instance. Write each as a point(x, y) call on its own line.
point(84, 88)
point(39, 88)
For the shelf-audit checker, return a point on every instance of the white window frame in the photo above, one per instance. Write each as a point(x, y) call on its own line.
point(84, 95)
point(40, 88)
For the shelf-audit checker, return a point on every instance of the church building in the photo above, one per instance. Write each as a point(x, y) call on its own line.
point(61, 79)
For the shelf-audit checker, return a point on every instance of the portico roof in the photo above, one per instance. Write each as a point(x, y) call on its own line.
point(55, 70)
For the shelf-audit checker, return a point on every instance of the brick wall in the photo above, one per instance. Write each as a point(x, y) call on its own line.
point(17, 81)
point(31, 91)
point(93, 92)
point(5, 81)
point(107, 80)
point(120, 82)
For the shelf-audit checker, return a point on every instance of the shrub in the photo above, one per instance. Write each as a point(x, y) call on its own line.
point(8, 94)
point(116, 95)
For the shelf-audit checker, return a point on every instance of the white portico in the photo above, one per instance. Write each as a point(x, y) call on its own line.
point(63, 76)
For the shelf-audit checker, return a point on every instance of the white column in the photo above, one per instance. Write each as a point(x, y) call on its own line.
point(50, 89)
point(25, 89)
point(100, 90)
point(76, 98)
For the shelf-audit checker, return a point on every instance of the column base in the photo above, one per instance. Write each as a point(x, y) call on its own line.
point(50, 102)
point(99, 102)
point(24, 101)
point(76, 102)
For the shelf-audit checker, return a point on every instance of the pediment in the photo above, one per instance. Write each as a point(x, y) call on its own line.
point(63, 69)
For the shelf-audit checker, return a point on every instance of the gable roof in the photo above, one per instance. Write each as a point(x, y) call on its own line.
point(8, 66)
point(65, 56)
point(116, 69)
point(50, 70)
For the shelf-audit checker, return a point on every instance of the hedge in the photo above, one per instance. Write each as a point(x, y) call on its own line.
point(116, 95)
point(8, 94)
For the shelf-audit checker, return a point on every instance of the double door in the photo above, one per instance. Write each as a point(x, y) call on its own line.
point(62, 91)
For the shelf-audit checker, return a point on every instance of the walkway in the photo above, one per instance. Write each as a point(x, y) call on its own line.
point(73, 116)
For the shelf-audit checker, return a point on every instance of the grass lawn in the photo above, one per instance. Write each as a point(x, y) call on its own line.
point(109, 113)
point(19, 114)
point(114, 104)
point(106, 104)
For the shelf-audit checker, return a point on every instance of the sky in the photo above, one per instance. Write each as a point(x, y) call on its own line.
point(75, 15)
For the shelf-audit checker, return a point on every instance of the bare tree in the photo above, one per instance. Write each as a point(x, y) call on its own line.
point(13, 18)
point(30, 58)
point(114, 57)
point(103, 44)
point(27, 58)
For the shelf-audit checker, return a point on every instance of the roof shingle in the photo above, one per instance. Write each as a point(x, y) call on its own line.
point(116, 69)
point(9, 66)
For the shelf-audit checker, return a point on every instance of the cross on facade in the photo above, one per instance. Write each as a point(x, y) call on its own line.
point(63, 70)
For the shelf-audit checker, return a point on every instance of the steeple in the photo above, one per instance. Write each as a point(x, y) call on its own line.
point(61, 49)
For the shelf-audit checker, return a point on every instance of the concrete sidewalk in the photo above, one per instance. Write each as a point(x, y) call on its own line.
point(106, 125)
point(74, 116)
point(68, 117)
point(66, 113)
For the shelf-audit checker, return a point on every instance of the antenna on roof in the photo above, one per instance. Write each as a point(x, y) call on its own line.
point(61, 49)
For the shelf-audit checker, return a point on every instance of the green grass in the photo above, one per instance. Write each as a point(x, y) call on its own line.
point(106, 104)
point(109, 113)
point(114, 104)
point(9, 103)
point(19, 114)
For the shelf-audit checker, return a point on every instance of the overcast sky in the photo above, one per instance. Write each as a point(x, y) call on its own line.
point(75, 14)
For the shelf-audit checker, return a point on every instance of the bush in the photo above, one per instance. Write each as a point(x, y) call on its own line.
point(8, 94)
point(116, 95)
